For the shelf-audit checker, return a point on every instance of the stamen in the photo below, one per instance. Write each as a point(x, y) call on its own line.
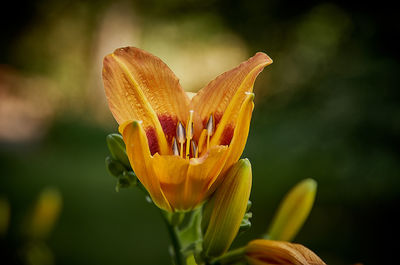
point(175, 148)
point(195, 150)
point(181, 136)
point(189, 133)
point(210, 125)
point(210, 129)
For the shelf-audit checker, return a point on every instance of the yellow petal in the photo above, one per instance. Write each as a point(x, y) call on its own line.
point(142, 161)
point(293, 211)
point(185, 182)
point(203, 171)
point(241, 131)
point(139, 86)
point(224, 95)
point(226, 209)
point(239, 138)
point(270, 252)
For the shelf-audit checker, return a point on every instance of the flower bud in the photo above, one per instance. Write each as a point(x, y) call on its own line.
point(293, 211)
point(117, 148)
point(114, 167)
point(4, 215)
point(224, 212)
point(45, 213)
point(265, 252)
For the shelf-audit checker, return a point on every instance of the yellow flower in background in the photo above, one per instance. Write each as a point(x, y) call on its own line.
point(293, 211)
point(4, 215)
point(270, 252)
point(179, 145)
point(45, 213)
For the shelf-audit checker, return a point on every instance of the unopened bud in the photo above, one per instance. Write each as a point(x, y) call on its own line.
point(266, 252)
point(293, 211)
point(117, 148)
point(224, 212)
point(126, 179)
point(114, 167)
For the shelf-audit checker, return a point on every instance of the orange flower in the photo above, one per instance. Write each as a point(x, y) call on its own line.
point(179, 146)
point(270, 252)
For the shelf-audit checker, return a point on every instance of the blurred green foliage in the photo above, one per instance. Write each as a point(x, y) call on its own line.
point(328, 108)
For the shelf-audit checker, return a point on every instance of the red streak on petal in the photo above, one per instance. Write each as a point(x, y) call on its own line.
point(168, 124)
point(227, 135)
point(152, 139)
point(217, 118)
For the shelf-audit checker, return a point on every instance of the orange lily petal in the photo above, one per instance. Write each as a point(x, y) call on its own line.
point(241, 131)
point(139, 86)
point(184, 182)
point(142, 162)
point(270, 252)
point(223, 95)
point(239, 139)
point(171, 172)
point(203, 171)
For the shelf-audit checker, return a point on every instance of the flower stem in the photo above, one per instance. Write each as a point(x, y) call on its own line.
point(173, 233)
point(229, 257)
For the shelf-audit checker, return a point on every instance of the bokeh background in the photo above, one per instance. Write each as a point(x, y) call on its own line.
point(327, 108)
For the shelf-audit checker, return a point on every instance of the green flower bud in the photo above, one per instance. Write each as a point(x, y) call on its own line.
point(224, 212)
point(114, 167)
point(126, 179)
point(117, 148)
point(293, 211)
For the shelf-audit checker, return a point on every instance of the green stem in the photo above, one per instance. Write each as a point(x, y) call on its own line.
point(229, 257)
point(173, 233)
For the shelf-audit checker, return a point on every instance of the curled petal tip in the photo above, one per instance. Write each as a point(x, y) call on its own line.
point(267, 60)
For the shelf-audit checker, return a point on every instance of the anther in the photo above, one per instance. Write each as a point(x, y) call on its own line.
point(210, 125)
point(180, 133)
point(175, 148)
point(189, 133)
point(180, 136)
point(195, 150)
point(210, 129)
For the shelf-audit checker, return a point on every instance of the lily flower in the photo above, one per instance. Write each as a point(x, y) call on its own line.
point(271, 252)
point(180, 145)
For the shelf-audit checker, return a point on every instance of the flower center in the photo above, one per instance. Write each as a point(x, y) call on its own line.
point(184, 145)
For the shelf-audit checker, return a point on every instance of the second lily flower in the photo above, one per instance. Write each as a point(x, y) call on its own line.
point(180, 146)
